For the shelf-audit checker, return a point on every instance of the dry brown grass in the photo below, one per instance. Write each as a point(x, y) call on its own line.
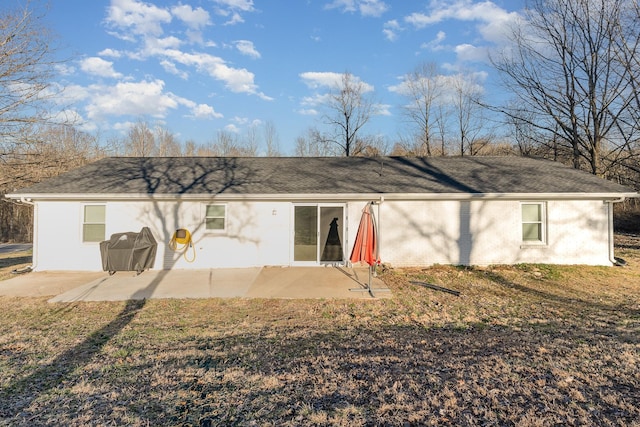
point(524, 346)
point(13, 261)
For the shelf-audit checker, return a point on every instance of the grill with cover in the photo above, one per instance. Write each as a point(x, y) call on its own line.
point(129, 251)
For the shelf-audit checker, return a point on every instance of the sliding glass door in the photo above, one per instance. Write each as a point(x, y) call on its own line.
point(318, 234)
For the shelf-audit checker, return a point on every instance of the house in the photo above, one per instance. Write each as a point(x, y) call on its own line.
point(288, 211)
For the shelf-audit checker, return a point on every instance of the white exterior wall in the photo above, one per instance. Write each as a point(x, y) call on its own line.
point(412, 233)
point(257, 234)
point(490, 232)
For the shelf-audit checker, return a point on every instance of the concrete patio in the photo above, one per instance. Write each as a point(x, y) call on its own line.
point(261, 282)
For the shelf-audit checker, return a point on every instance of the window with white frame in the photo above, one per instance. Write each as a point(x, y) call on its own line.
point(93, 223)
point(533, 222)
point(215, 217)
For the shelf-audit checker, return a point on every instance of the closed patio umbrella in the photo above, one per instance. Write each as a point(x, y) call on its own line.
point(365, 248)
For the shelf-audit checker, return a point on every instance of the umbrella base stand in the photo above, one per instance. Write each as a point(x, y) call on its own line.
point(369, 289)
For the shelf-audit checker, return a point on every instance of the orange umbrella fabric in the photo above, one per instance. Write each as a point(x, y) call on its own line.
point(365, 247)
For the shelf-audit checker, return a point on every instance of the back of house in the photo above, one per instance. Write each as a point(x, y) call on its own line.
point(211, 212)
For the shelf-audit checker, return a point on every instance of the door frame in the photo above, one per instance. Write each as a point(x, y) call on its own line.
point(319, 242)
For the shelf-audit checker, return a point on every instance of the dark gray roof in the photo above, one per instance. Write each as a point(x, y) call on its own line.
point(327, 175)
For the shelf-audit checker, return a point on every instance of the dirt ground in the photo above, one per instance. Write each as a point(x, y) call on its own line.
point(526, 345)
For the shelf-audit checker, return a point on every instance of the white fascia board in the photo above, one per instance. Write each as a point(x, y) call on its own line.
point(325, 197)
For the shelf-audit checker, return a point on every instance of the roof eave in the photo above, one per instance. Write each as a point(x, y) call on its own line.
point(320, 196)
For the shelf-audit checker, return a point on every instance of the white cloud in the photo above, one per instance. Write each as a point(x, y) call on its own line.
point(71, 116)
point(195, 36)
point(315, 80)
point(382, 109)
point(131, 98)
point(491, 18)
point(111, 53)
point(247, 48)
point(364, 7)
point(240, 120)
point(138, 17)
point(123, 126)
point(232, 128)
point(242, 5)
point(235, 79)
point(72, 94)
point(171, 68)
point(468, 52)
point(194, 18)
point(143, 22)
point(232, 9)
point(99, 67)
point(204, 111)
point(435, 44)
point(157, 45)
point(236, 18)
point(324, 81)
point(391, 29)
point(445, 84)
point(372, 7)
point(64, 69)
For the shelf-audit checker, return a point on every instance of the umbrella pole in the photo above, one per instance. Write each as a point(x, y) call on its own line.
point(357, 252)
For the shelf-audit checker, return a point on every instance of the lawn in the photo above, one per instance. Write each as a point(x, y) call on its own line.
point(527, 345)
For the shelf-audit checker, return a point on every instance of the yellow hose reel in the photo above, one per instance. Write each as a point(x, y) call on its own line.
point(182, 237)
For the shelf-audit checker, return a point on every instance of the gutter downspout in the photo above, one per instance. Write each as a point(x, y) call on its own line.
point(34, 257)
point(612, 258)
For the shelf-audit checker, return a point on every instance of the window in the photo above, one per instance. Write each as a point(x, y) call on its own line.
point(93, 223)
point(215, 217)
point(533, 223)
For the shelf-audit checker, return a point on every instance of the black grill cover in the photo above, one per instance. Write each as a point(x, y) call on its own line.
point(129, 251)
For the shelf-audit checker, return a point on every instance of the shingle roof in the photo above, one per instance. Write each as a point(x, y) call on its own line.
point(327, 175)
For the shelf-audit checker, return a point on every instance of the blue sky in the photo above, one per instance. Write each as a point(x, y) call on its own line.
point(199, 67)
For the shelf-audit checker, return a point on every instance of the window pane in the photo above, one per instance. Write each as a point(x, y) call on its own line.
point(215, 223)
point(215, 210)
point(532, 232)
point(532, 213)
point(93, 232)
point(94, 213)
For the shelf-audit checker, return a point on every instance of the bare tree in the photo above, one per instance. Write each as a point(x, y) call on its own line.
point(66, 148)
point(167, 144)
point(140, 140)
point(423, 88)
point(251, 143)
point(373, 146)
point(349, 108)
point(27, 71)
point(573, 71)
point(190, 148)
point(313, 144)
point(467, 111)
point(441, 124)
point(443, 108)
point(271, 139)
point(228, 144)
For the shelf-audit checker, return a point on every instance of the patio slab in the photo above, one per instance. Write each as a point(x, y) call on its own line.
point(260, 282)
